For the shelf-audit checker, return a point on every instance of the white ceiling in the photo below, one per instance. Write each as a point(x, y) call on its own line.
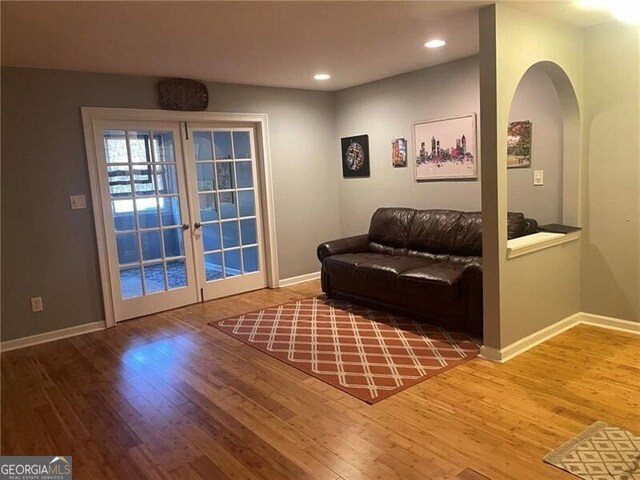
point(564, 11)
point(260, 43)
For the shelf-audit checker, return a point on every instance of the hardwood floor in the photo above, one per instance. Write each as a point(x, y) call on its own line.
point(168, 396)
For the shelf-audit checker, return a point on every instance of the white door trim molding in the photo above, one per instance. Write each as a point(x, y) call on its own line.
point(259, 120)
point(505, 354)
point(88, 117)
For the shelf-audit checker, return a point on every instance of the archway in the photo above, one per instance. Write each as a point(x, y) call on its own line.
point(546, 98)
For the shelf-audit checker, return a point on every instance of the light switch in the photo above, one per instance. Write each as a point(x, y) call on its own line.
point(78, 202)
point(36, 304)
point(538, 177)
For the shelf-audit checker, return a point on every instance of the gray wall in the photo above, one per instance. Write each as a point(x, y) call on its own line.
point(49, 250)
point(386, 109)
point(611, 198)
point(536, 99)
point(511, 42)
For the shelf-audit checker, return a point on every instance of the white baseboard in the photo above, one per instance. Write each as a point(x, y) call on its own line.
point(287, 282)
point(489, 353)
point(610, 323)
point(51, 336)
point(507, 353)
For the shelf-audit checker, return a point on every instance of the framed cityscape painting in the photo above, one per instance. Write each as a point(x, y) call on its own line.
point(355, 156)
point(445, 149)
point(399, 152)
point(519, 145)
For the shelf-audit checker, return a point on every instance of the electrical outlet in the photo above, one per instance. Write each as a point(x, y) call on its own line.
point(78, 202)
point(538, 177)
point(36, 304)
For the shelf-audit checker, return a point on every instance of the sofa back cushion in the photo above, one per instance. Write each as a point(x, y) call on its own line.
point(469, 235)
point(390, 227)
point(434, 231)
point(395, 231)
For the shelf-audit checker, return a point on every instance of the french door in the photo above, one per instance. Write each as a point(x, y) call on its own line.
point(225, 206)
point(182, 213)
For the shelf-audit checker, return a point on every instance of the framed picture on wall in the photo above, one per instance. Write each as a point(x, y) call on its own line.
point(445, 149)
point(355, 156)
point(399, 152)
point(519, 145)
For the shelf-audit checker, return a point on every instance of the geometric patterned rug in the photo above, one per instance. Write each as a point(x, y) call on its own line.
point(601, 452)
point(367, 353)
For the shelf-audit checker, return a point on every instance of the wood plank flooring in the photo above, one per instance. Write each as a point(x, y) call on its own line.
point(168, 396)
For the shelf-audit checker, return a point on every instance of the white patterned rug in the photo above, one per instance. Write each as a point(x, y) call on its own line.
point(601, 452)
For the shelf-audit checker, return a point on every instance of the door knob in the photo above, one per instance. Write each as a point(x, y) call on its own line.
point(197, 225)
point(185, 226)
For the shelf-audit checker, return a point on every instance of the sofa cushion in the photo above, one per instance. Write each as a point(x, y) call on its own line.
point(432, 281)
point(432, 257)
point(379, 248)
point(434, 231)
point(390, 226)
point(386, 269)
point(346, 263)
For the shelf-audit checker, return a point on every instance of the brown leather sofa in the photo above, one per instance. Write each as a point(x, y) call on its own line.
point(425, 263)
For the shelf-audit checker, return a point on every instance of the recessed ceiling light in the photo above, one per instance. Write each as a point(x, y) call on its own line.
point(322, 76)
point(437, 43)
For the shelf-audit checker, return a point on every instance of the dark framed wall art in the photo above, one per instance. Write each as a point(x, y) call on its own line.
point(355, 156)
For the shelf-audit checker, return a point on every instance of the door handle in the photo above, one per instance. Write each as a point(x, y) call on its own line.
point(197, 225)
point(185, 226)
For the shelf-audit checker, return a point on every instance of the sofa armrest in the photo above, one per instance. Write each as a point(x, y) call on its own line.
point(472, 270)
point(471, 276)
point(530, 226)
point(356, 244)
point(472, 284)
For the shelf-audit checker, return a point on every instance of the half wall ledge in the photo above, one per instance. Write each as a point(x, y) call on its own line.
point(538, 241)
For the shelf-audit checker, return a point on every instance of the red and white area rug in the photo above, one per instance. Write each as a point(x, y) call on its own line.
point(367, 353)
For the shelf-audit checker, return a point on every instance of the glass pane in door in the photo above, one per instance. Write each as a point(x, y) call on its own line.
point(227, 205)
point(146, 211)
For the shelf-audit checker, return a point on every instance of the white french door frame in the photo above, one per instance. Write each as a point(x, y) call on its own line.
point(259, 121)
